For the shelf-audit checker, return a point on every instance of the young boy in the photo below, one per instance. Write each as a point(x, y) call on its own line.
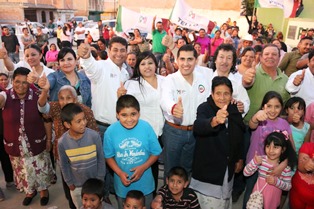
point(92, 195)
point(175, 193)
point(80, 152)
point(134, 200)
point(131, 147)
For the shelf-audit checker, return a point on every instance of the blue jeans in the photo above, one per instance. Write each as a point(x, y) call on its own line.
point(159, 60)
point(15, 57)
point(148, 201)
point(178, 148)
point(108, 188)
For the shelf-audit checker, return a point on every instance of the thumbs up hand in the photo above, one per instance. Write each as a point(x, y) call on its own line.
point(261, 115)
point(222, 115)
point(84, 50)
point(299, 78)
point(249, 75)
point(121, 90)
point(178, 109)
point(257, 158)
point(33, 76)
point(43, 82)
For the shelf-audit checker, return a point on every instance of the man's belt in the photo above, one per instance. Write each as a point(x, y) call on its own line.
point(184, 128)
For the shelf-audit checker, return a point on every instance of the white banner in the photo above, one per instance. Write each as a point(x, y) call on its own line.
point(285, 5)
point(128, 19)
point(184, 16)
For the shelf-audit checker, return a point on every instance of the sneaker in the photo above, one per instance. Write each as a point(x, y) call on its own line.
point(1, 195)
point(10, 184)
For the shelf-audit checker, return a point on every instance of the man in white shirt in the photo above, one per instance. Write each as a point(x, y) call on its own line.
point(80, 33)
point(106, 77)
point(301, 83)
point(181, 94)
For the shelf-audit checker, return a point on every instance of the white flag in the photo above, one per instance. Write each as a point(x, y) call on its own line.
point(285, 5)
point(128, 19)
point(184, 16)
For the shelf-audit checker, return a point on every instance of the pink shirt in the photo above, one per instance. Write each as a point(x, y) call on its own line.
point(261, 132)
point(214, 45)
point(52, 56)
point(204, 42)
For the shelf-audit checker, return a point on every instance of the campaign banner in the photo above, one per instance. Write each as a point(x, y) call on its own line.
point(185, 16)
point(128, 19)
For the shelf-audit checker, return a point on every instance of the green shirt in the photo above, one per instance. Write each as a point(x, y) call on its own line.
point(262, 84)
point(289, 62)
point(157, 45)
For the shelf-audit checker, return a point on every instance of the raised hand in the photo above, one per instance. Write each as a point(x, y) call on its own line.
point(178, 109)
point(43, 82)
point(299, 78)
point(84, 51)
point(33, 76)
point(261, 115)
point(249, 75)
point(3, 52)
point(121, 90)
point(257, 158)
point(222, 115)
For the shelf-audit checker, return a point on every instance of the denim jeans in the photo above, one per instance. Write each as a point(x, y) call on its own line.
point(108, 188)
point(178, 148)
point(15, 57)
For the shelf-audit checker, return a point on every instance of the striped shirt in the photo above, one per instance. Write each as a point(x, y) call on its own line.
point(282, 182)
point(188, 199)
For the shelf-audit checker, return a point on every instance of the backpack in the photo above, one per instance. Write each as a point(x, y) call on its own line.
point(256, 199)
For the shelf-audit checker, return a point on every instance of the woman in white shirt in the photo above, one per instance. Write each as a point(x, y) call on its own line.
point(145, 86)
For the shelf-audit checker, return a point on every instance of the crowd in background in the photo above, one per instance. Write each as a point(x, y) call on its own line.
point(211, 106)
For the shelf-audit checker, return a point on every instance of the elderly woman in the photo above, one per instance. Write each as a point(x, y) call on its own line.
point(32, 57)
point(52, 111)
point(218, 131)
point(301, 193)
point(25, 138)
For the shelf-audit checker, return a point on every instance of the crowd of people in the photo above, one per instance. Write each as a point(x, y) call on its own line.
point(224, 114)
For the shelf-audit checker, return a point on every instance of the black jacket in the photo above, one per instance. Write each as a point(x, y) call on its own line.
point(218, 147)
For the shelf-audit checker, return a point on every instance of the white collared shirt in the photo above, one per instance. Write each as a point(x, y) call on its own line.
point(105, 77)
point(176, 86)
point(23, 63)
point(305, 89)
point(148, 97)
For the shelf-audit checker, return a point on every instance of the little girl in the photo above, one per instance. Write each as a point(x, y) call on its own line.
point(277, 149)
point(264, 122)
point(301, 132)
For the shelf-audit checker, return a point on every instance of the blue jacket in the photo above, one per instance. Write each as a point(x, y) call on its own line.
point(58, 79)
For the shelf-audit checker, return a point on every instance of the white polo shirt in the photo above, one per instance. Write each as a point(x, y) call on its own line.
point(305, 89)
point(176, 86)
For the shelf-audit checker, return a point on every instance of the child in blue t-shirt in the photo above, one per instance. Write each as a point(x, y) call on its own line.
point(131, 147)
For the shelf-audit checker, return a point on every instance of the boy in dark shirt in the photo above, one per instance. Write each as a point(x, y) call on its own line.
point(175, 193)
